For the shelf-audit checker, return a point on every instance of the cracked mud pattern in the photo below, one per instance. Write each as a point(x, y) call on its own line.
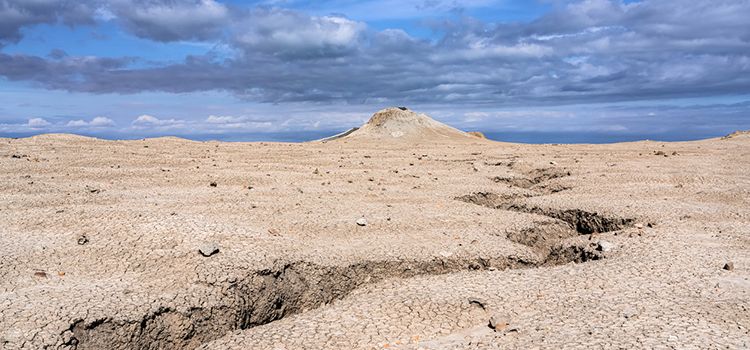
point(172, 244)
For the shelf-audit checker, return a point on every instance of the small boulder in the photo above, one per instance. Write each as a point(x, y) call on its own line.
point(729, 266)
point(208, 249)
point(362, 221)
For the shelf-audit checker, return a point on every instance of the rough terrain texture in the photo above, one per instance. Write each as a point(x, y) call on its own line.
point(357, 244)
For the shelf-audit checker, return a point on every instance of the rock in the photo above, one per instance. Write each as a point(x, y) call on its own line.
point(639, 226)
point(40, 274)
point(629, 312)
point(729, 266)
point(476, 166)
point(208, 249)
point(362, 222)
point(213, 184)
point(498, 323)
point(274, 232)
point(604, 246)
point(83, 240)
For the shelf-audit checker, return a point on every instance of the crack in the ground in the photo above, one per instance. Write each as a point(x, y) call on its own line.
point(536, 180)
point(271, 294)
point(546, 237)
point(581, 221)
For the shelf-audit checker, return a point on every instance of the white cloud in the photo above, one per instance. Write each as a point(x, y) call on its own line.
point(38, 123)
point(146, 120)
point(98, 122)
point(213, 119)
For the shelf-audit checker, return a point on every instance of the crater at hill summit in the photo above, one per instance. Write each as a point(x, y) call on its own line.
point(401, 123)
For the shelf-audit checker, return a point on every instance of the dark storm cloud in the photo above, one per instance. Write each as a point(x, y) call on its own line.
point(583, 51)
point(16, 14)
point(171, 20)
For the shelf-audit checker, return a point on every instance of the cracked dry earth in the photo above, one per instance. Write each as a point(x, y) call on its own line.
point(466, 244)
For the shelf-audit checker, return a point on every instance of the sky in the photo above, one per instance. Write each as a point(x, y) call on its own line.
point(287, 70)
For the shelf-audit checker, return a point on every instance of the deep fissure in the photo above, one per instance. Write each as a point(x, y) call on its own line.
point(271, 294)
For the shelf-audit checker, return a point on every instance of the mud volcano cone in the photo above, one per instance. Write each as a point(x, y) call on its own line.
point(400, 123)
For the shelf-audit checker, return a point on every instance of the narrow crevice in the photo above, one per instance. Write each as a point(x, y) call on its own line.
point(533, 178)
point(584, 222)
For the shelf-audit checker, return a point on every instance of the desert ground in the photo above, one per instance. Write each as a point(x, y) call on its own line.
point(402, 234)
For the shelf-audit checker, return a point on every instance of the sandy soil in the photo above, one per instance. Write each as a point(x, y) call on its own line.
point(369, 244)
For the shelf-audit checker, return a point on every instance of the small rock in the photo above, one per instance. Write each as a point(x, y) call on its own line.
point(629, 312)
point(213, 184)
point(40, 274)
point(498, 323)
point(362, 222)
point(208, 249)
point(639, 226)
point(274, 232)
point(83, 240)
point(604, 246)
point(729, 266)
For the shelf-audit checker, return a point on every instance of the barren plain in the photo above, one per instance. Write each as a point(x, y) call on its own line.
point(402, 235)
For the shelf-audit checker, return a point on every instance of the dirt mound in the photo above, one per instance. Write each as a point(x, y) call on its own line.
point(400, 123)
point(736, 134)
point(478, 134)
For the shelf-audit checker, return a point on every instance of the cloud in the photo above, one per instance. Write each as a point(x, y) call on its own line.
point(97, 122)
point(212, 119)
point(168, 20)
point(584, 51)
point(146, 120)
point(38, 123)
point(294, 35)
point(17, 14)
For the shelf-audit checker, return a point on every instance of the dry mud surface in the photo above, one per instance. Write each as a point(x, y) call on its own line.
point(367, 244)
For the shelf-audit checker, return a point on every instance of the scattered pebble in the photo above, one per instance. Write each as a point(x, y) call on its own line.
point(629, 312)
point(208, 249)
point(83, 240)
